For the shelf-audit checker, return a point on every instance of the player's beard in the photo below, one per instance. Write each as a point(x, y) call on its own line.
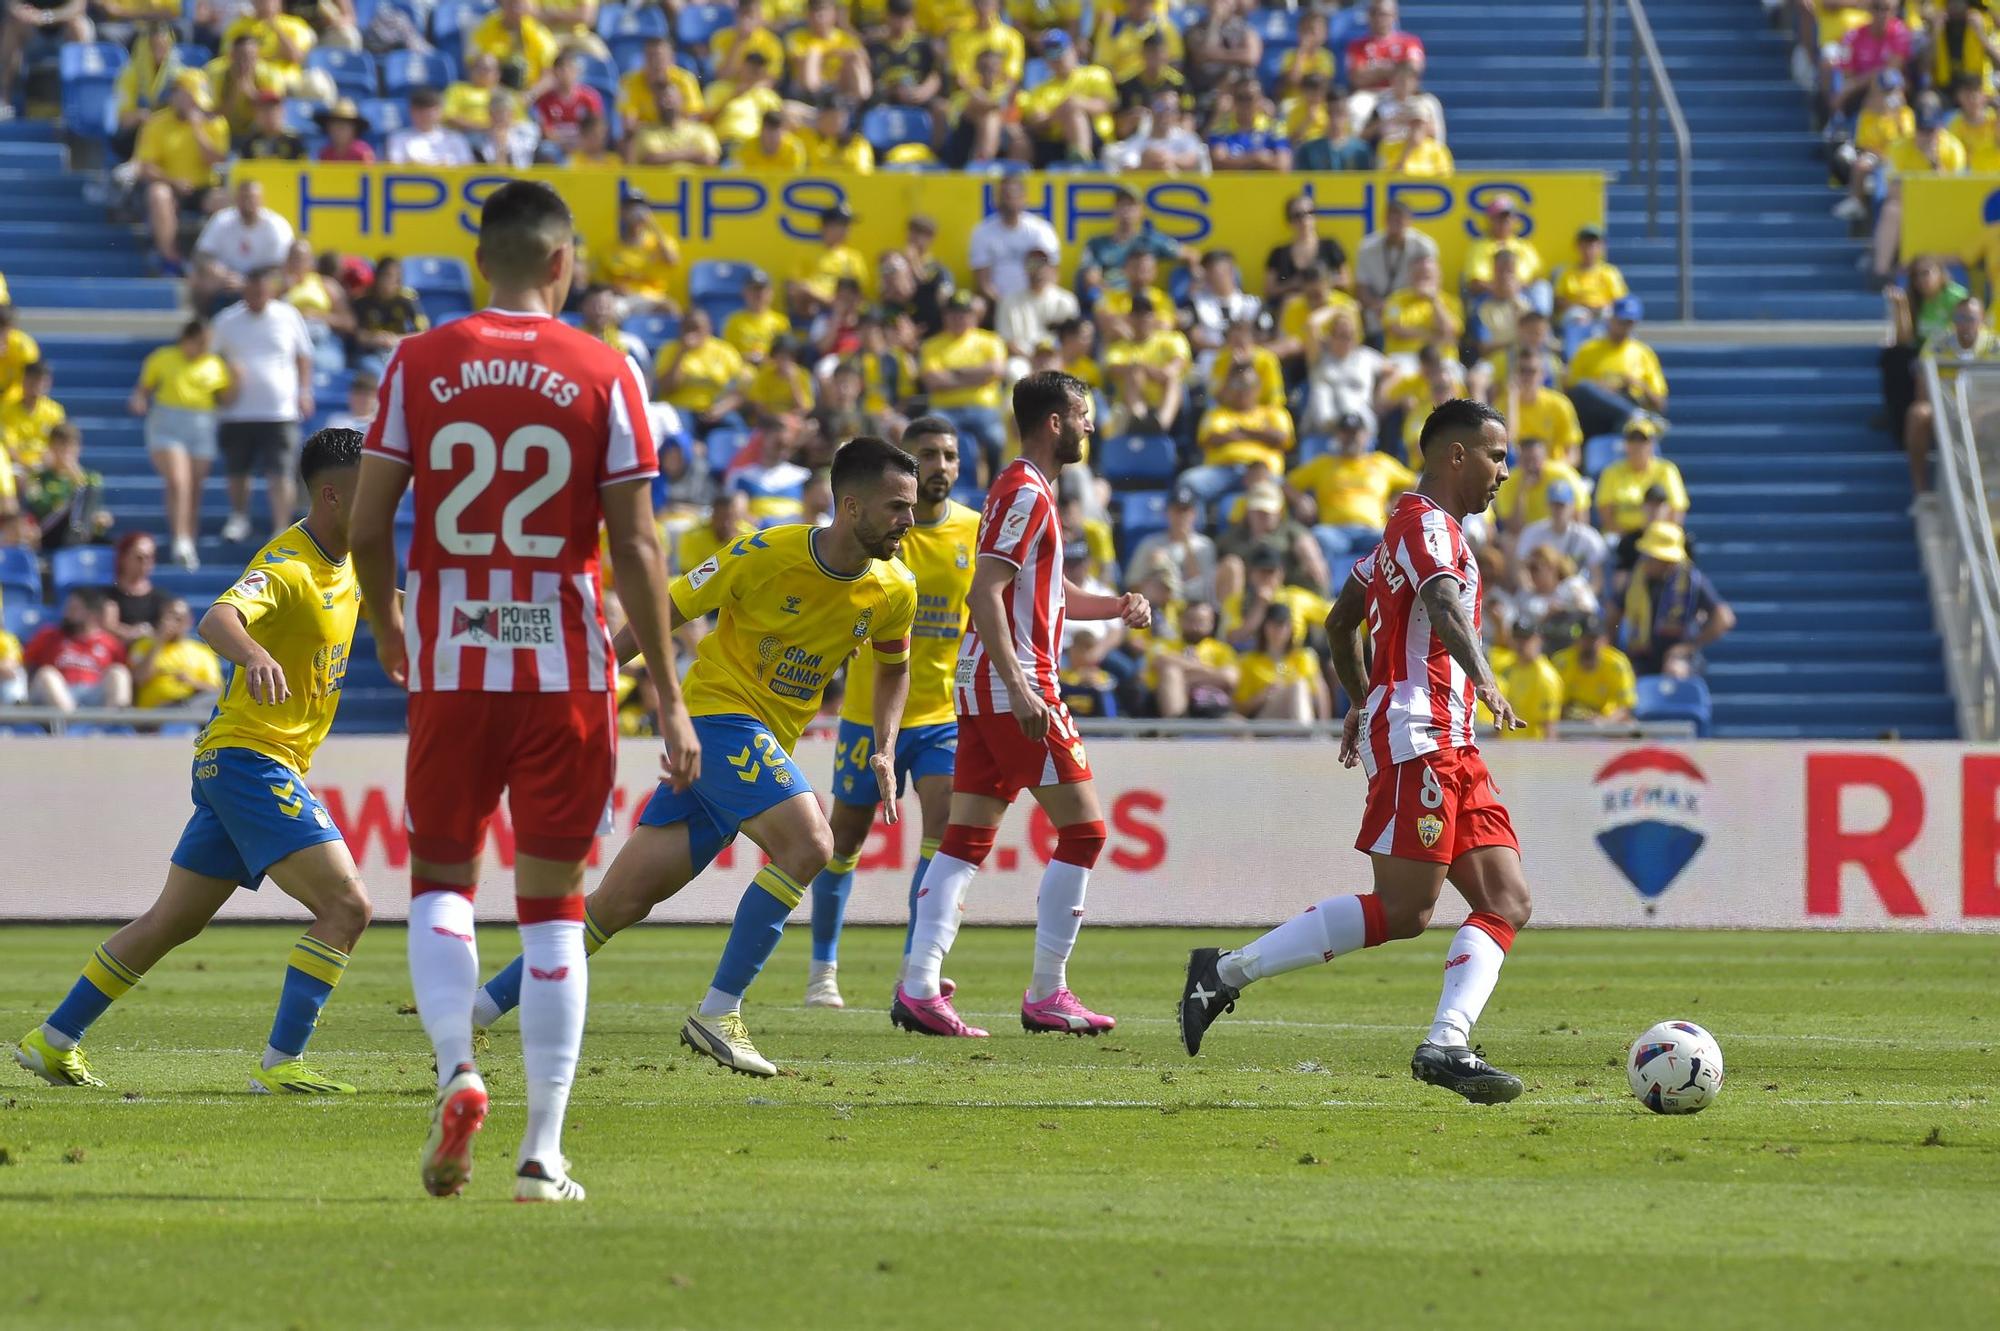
point(936, 489)
point(884, 544)
point(1069, 447)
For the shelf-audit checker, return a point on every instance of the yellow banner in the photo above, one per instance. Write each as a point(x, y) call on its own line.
point(1950, 215)
point(773, 220)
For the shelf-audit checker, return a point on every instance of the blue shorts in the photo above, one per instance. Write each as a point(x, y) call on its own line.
point(744, 771)
point(920, 751)
point(250, 811)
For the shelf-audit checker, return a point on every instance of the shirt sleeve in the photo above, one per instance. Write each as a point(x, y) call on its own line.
point(1677, 494)
point(891, 638)
point(259, 592)
point(1018, 525)
point(630, 453)
point(389, 432)
point(704, 588)
point(1432, 551)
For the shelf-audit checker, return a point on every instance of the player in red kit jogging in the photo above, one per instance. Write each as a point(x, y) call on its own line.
point(1014, 733)
point(521, 435)
point(1433, 815)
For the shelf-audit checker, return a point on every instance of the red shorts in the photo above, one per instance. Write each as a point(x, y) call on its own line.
point(1434, 808)
point(554, 754)
point(996, 759)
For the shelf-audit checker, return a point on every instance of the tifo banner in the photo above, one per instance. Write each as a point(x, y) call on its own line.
point(1703, 835)
point(1949, 215)
point(773, 219)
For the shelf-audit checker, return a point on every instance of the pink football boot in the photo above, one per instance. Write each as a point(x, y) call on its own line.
point(930, 1016)
point(1061, 1012)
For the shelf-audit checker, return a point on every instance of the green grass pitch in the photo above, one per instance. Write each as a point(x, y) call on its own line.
point(1292, 1176)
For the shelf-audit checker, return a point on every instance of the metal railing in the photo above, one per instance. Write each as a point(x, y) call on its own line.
point(142, 719)
point(1649, 94)
point(1964, 568)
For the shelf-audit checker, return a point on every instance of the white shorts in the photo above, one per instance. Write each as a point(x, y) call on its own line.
point(192, 432)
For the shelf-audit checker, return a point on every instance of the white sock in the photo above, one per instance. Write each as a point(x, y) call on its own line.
point(820, 968)
point(56, 1038)
point(1058, 917)
point(1471, 969)
point(444, 971)
point(940, 908)
point(1318, 934)
point(715, 1003)
point(484, 1010)
point(274, 1056)
point(553, 996)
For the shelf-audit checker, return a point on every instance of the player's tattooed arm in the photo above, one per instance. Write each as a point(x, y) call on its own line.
point(1443, 599)
point(1343, 636)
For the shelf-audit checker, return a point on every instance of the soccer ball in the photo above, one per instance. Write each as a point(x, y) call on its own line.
point(1675, 1068)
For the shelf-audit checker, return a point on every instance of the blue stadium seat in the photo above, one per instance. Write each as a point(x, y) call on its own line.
point(18, 569)
point(89, 60)
point(193, 54)
point(1273, 58)
point(451, 20)
point(25, 618)
point(717, 286)
point(385, 116)
point(1138, 460)
point(641, 21)
point(1312, 446)
point(601, 74)
point(89, 72)
point(655, 330)
point(1140, 516)
point(352, 72)
point(889, 127)
point(628, 53)
point(1664, 699)
point(1276, 26)
point(299, 115)
point(447, 282)
point(1600, 451)
point(404, 70)
point(1034, 74)
point(698, 23)
point(723, 446)
point(76, 566)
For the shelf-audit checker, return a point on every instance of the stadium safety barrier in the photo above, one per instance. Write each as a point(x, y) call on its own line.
point(1956, 527)
point(1227, 832)
point(773, 220)
point(1649, 92)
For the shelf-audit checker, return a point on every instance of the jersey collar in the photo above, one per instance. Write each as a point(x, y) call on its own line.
point(812, 548)
point(307, 533)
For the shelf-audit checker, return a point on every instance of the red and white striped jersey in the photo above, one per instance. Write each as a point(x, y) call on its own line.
point(1020, 526)
point(510, 424)
point(1419, 699)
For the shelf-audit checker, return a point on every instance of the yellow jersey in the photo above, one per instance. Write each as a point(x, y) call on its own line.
point(708, 373)
point(1352, 491)
point(17, 352)
point(790, 156)
point(964, 47)
point(1302, 321)
point(821, 272)
point(1601, 689)
point(1906, 158)
point(946, 352)
point(1535, 691)
point(1479, 254)
point(835, 50)
point(739, 113)
point(1257, 671)
point(300, 606)
point(939, 555)
point(181, 669)
point(1270, 375)
point(646, 268)
point(1621, 493)
point(1085, 82)
point(778, 390)
point(786, 626)
point(24, 430)
point(177, 380)
point(468, 104)
point(637, 105)
point(534, 46)
point(1602, 361)
point(1546, 415)
point(761, 40)
point(829, 154)
point(1217, 421)
point(1593, 288)
point(1163, 349)
point(1521, 502)
point(1309, 611)
point(752, 331)
point(1410, 158)
point(1878, 131)
point(1419, 319)
point(172, 147)
point(269, 33)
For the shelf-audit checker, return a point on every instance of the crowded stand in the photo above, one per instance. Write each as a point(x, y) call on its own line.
point(1256, 413)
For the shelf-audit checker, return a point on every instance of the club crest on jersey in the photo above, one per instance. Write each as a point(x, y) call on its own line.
point(505, 624)
point(1076, 753)
point(1650, 817)
point(861, 624)
point(703, 572)
point(1429, 828)
point(964, 556)
point(783, 776)
point(253, 583)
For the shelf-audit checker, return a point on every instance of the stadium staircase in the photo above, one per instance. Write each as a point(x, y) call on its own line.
point(1800, 510)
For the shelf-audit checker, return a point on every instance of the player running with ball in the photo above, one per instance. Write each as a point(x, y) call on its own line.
point(1014, 733)
point(1433, 815)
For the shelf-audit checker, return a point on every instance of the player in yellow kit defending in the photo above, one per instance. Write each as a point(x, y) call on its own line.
point(286, 628)
point(938, 550)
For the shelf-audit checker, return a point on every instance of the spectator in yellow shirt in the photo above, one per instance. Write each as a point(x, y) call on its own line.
point(1531, 685)
point(178, 154)
point(1524, 495)
point(180, 386)
point(1616, 376)
point(825, 58)
point(1310, 58)
point(1240, 349)
point(511, 35)
point(811, 291)
point(1279, 679)
point(1588, 288)
point(1237, 432)
point(731, 48)
point(961, 368)
point(1536, 411)
point(1503, 226)
point(17, 350)
point(29, 417)
point(468, 103)
point(1069, 116)
point(700, 374)
point(283, 40)
point(241, 81)
point(639, 91)
point(780, 388)
point(13, 676)
point(1622, 486)
point(1931, 149)
point(774, 149)
point(737, 108)
point(1421, 314)
point(834, 144)
point(672, 139)
point(1120, 42)
point(1352, 489)
point(986, 31)
point(1418, 155)
point(752, 329)
point(1147, 372)
point(173, 669)
point(1598, 680)
point(644, 267)
point(1193, 672)
point(984, 112)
